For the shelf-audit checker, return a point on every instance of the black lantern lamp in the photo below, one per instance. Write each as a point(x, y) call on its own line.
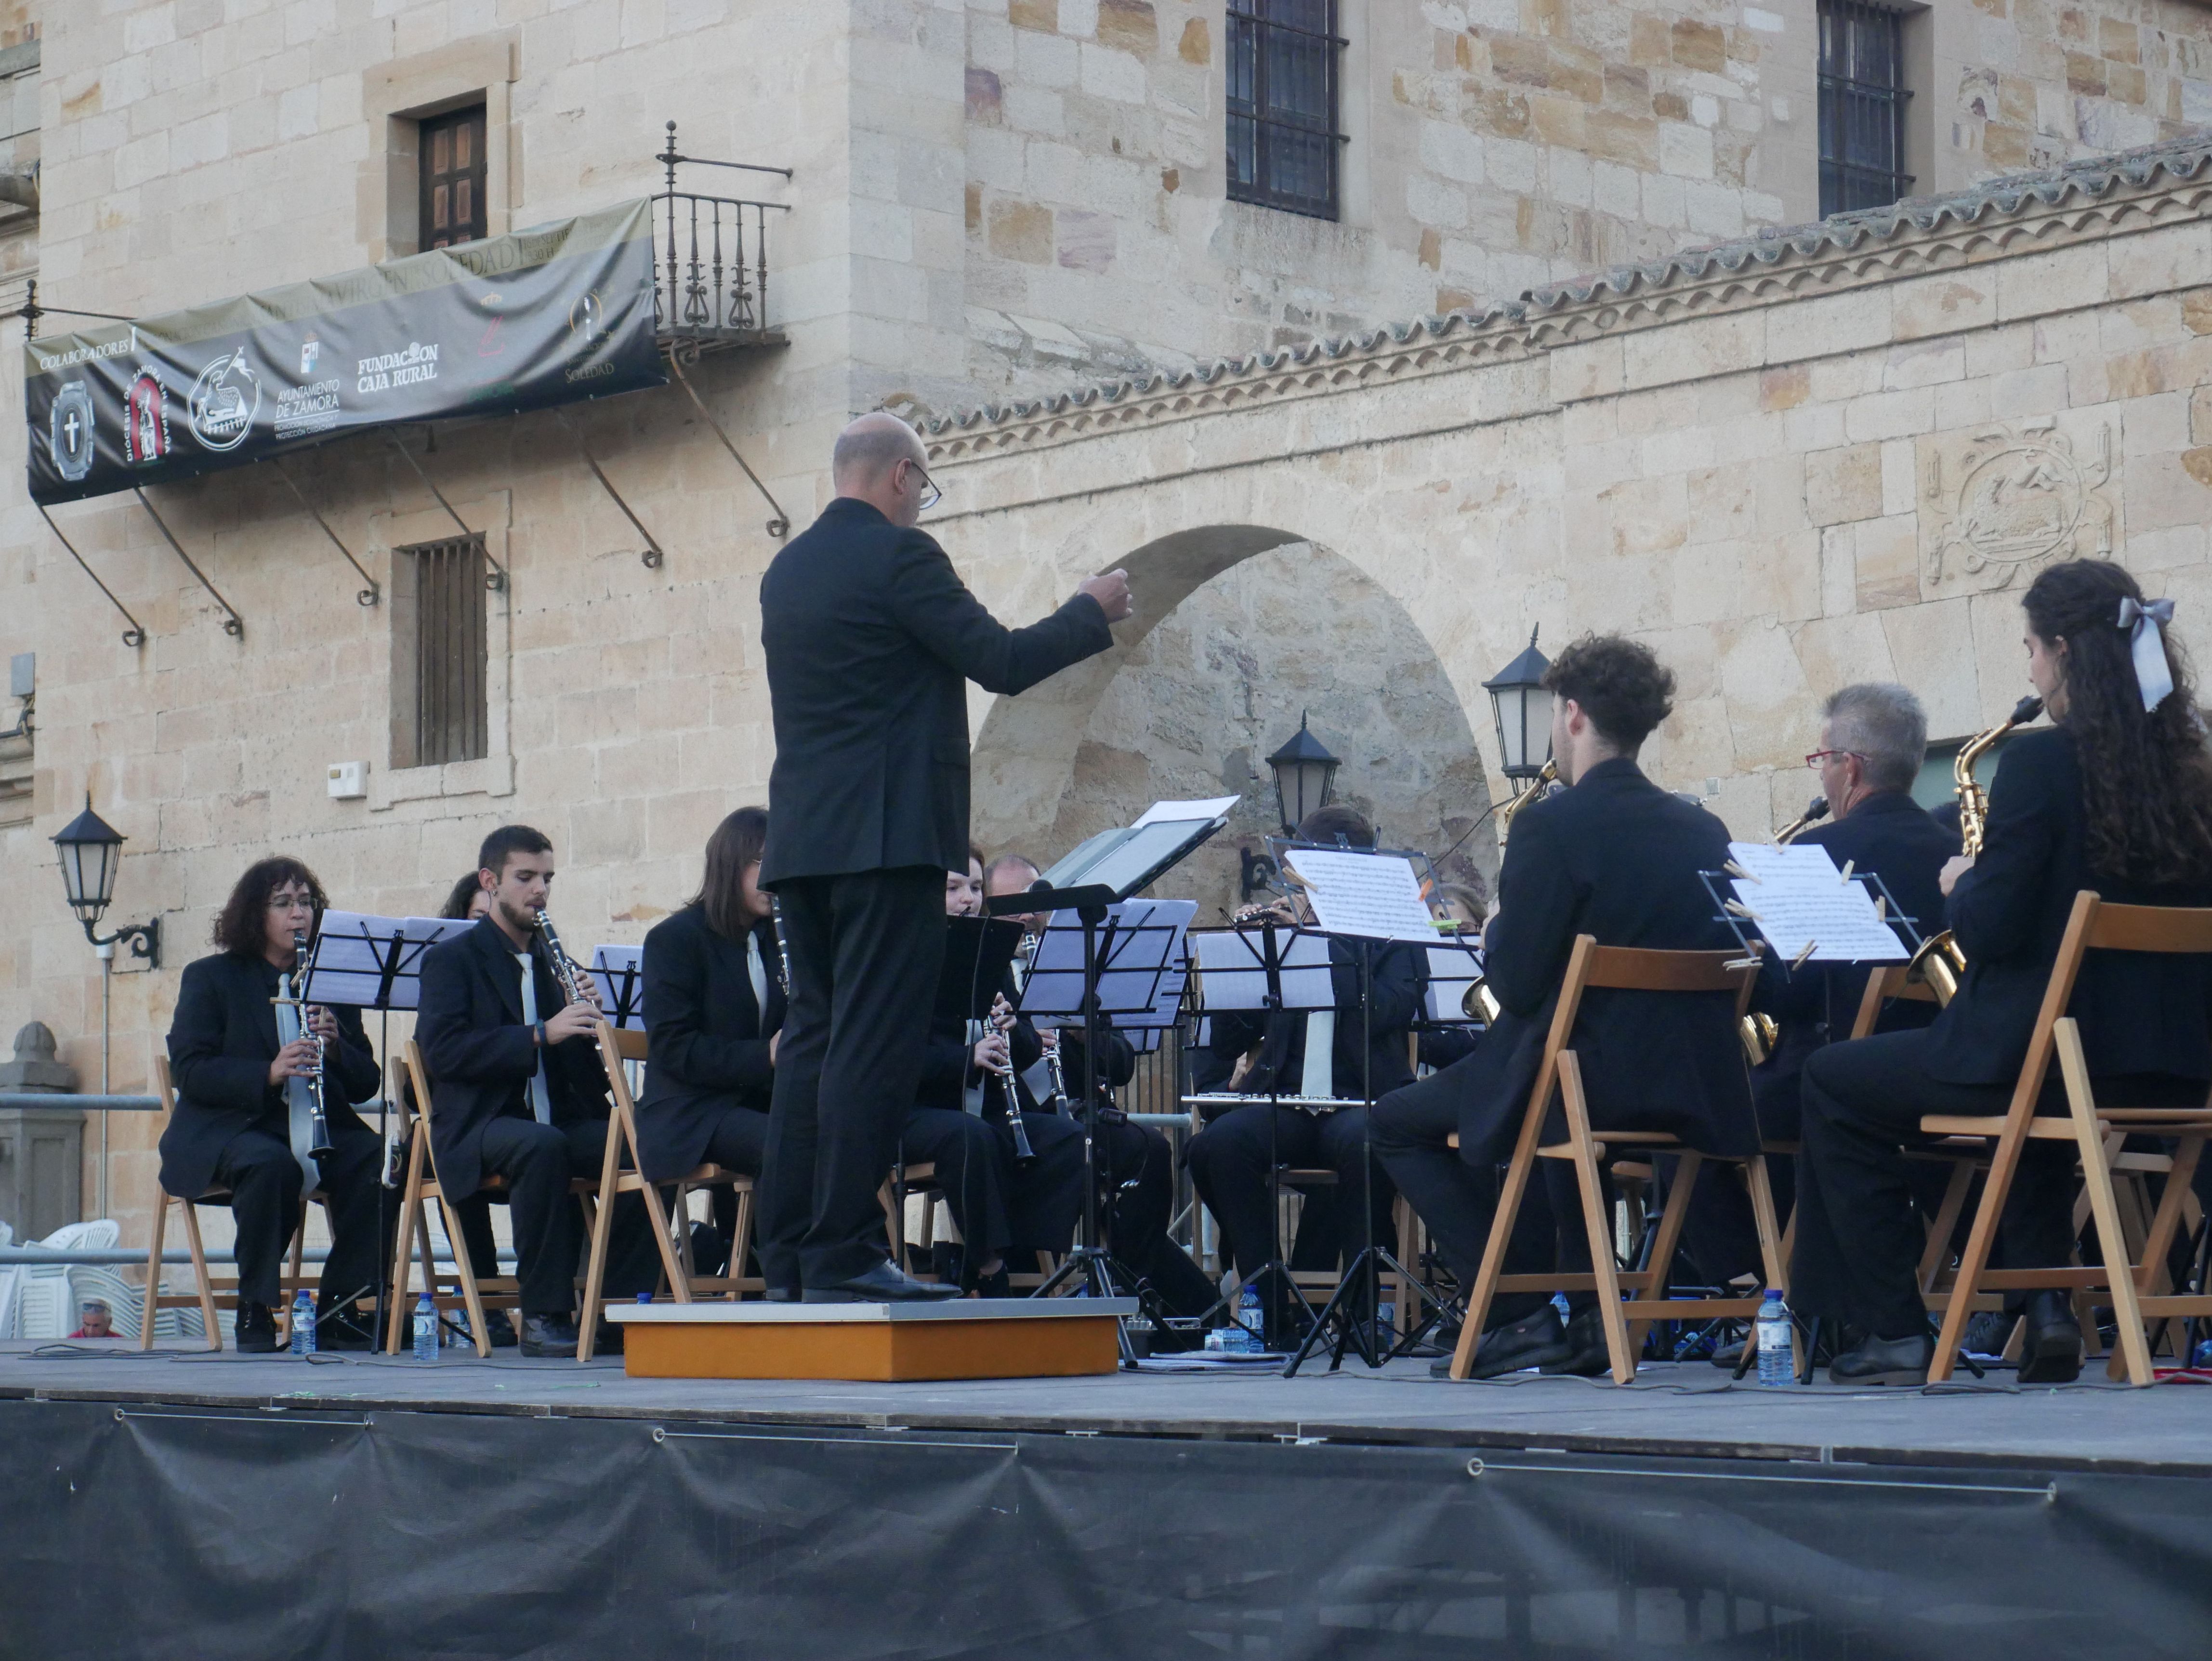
point(1523, 711)
point(91, 854)
point(1304, 773)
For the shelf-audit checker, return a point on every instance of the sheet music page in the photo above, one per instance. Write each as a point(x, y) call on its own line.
point(1376, 895)
point(1184, 813)
point(1805, 907)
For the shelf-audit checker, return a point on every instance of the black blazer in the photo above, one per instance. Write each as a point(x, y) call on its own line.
point(480, 1056)
point(1400, 981)
point(2139, 1014)
point(870, 639)
point(1618, 858)
point(221, 1039)
point(707, 1041)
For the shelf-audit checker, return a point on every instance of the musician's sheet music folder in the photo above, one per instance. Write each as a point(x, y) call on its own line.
point(364, 962)
point(1133, 857)
point(1138, 951)
point(1806, 907)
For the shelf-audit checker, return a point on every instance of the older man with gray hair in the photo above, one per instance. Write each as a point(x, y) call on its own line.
point(1874, 737)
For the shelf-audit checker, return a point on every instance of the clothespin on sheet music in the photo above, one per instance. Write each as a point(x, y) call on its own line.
point(1735, 870)
point(1848, 864)
point(1798, 962)
point(1881, 908)
point(1743, 910)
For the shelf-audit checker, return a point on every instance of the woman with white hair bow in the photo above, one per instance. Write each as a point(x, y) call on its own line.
point(2116, 795)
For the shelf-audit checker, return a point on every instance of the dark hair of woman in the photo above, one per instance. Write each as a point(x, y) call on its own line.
point(737, 842)
point(2146, 777)
point(239, 926)
point(461, 897)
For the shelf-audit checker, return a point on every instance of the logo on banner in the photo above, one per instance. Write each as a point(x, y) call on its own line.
point(70, 431)
point(223, 402)
point(146, 420)
point(310, 349)
point(418, 363)
point(586, 318)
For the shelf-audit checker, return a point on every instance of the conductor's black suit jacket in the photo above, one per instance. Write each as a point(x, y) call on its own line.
point(870, 639)
point(2139, 1014)
point(480, 1056)
point(1618, 858)
point(707, 1039)
point(222, 1040)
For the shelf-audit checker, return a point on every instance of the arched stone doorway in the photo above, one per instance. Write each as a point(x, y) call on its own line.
point(1239, 630)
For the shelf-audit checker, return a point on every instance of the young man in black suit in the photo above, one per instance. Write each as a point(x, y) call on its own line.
point(870, 638)
point(1230, 1159)
point(1616, 857)
point(241, 1062)
point(518, 1088)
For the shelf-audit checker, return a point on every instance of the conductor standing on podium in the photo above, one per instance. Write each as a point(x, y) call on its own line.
point(870, 637)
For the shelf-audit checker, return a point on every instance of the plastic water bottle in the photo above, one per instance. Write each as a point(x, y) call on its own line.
point(303, 1323)
point(1778, 1365)
point(426, 1329)
point(1249, 1318)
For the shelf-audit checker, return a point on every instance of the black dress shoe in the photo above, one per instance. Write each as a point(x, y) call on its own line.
point(1885, 1361)
point(499, 1327)
point(782, 1294)
point(882, 1284)
point(256, 1330)
point(549, 1337)
point(2051, 1347)
point(344, 1328)
point(1587, 1356)
point(1531, 1342)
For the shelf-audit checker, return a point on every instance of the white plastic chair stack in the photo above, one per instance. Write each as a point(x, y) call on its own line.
point(40, 1302)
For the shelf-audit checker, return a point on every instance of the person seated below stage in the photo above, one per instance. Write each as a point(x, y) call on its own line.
point(1006, 1212)
point(1616, 857)
point(1874, 737)
point(1341, 1054)
point(241, 1062)
point(1464, 906)
point(518, 1090)
point(2115, 796)
point(1135, 1165)
point(713, 1011)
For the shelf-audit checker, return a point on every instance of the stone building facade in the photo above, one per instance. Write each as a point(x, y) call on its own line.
point(1763, 457)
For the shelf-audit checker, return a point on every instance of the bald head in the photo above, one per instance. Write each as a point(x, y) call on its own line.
point(866, 466)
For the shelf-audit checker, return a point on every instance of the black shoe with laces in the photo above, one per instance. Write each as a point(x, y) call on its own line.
point(256, 1331)
point(1534, 1340)
point(2051, 1345)
point(1587, 1356)
point(549, 1337)
point(1885, 1361)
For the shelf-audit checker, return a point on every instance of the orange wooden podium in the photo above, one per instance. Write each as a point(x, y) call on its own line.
point(874, 1343)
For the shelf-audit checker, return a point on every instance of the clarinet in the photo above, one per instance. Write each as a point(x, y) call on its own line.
point(558, 960)
point(782, 946)
point(1024, 1155)
point(319, 1137)
point(1058, 1080)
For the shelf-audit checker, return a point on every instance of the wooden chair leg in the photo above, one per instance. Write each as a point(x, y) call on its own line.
point(299, 1253)
point(1664, 1243)
point(1594, 1218)
point(676, 1267)
point(465, 1270)
point(741, 1240)
point(200, 1274)
point(1938, 1249)
point(410, 1219)
point(153, 1272)
point(2132, 1353)
point(1484, 1290)
point(2004, 1158)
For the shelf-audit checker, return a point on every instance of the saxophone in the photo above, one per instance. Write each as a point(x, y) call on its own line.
point(1940, 965)
point(1481, 1003)
point(1759, 1030)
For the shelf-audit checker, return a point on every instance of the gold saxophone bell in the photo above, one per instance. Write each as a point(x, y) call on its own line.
point(1479, 1003)
point(1760, 1034)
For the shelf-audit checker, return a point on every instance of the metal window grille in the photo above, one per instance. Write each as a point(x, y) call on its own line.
point(451, 717)
point(1283, 140)
point(1863, 98)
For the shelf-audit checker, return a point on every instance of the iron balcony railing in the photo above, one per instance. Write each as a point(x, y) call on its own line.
point(710, 262)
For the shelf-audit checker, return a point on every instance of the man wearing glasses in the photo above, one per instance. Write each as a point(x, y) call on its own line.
point(870, 638)
point(1874, 737)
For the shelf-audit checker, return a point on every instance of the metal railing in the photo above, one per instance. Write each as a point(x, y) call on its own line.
point(710, 261)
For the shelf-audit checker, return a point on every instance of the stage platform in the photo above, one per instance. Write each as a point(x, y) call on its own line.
point(550, 1509)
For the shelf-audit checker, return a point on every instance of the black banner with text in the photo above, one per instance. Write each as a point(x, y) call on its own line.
point(518, 322)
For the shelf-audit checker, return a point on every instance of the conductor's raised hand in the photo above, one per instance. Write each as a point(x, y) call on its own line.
point(1111, 591)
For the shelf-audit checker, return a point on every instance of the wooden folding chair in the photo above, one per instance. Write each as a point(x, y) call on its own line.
point(2130, 1277)
point(617, 1045)
point(498, 1291)
point(208, 1292)
point(1626, 969)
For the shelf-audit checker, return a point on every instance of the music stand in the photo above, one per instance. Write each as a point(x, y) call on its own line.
point(619, 973)
point(364, 962)
point(1362, 896)
point(1102, 871)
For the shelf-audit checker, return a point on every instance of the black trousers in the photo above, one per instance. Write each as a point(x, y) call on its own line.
point(864, 951)
point(738, 1142)
point(1000, 1210)
point(1229, 1163)
point(1136, 1171)
point(265, 1184)
point(549, 1238)
point(1457, 1201)
point(1859, 1236)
